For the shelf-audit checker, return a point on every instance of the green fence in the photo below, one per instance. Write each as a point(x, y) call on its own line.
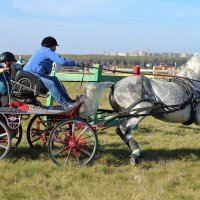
point(95, 76)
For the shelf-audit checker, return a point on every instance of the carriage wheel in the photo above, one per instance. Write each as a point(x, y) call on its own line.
point(16, 135)
point(38, 132)
point(74, 139)
point(5, 140)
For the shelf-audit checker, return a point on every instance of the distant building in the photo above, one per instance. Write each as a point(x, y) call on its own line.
point(122, 54)
point(144, 53)
point(133, 54)
point(184, 55)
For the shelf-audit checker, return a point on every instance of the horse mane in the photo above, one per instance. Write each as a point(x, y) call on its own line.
point(192, 68)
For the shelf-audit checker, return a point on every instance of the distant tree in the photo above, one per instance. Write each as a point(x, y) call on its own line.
point(115, 62)
point(122, 62)
point(127, 61)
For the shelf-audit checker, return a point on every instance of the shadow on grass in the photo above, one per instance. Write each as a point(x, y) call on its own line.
point(115, 154)
point(189, 128)
point(120, 155)
point(150, 130)
point(26, 153)
point(144, 130)
point(166, 154)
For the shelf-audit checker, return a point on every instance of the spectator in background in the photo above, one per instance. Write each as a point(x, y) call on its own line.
point(21, 62)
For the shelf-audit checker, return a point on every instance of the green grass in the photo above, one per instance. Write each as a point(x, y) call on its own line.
point(169, 169)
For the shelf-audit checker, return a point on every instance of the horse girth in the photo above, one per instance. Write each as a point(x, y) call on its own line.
point(187, 86)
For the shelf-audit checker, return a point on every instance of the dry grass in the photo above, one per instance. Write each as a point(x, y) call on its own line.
point(169, 169)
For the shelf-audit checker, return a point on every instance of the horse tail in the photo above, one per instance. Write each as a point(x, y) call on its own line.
point(115, 106)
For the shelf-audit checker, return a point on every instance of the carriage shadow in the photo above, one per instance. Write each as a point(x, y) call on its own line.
point(26, 153)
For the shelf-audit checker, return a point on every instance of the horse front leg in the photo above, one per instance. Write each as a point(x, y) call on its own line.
point(125, 132)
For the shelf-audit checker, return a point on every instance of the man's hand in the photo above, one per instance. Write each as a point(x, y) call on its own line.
point(4, 69)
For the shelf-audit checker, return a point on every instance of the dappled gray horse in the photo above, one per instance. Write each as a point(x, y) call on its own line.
point(173, 101)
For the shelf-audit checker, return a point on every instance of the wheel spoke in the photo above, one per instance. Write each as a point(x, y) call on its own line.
point(3, 147)
point(84, 151)
point(80, 135)
point(59, 141)
point(62, 131)
point(77, 157)
point(89, 141)
point(3, 134)
point(69, 154)
point(85, 142)
point(73, 130)
point(35, 140)
point(61, 150)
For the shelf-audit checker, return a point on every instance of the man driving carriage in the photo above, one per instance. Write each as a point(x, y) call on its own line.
point(7, 59)
point(40, 64)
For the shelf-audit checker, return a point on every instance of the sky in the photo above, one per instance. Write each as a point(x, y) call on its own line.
point(98, 26)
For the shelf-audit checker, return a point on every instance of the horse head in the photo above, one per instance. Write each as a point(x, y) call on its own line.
point(192, 68)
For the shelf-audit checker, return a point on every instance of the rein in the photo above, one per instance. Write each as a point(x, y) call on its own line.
point(83, 70)
point(171, 109)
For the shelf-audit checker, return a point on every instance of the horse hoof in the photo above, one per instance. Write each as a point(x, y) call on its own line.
point(134, 159)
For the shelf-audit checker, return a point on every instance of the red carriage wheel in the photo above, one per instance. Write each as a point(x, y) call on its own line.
point(16, 135)
point(72, 141)
point(38, 132)
point(5, 140)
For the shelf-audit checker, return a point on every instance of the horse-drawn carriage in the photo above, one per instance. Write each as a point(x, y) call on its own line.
point(70, 135)
point(63, 132)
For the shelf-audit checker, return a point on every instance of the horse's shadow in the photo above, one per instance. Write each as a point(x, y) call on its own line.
point(121, 155)
point(168, 154)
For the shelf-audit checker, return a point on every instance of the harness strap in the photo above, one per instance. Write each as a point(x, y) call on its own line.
point(83, 70)
point(187, 85)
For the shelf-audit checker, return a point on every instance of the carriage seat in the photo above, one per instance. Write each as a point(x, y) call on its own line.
point(27, 86)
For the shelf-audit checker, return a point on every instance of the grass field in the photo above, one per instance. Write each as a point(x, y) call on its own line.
point(168, 171)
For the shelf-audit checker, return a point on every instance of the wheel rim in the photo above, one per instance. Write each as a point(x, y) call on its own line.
point(72, 141)
point(16, 136)
point(5, 140)
point(38, 132)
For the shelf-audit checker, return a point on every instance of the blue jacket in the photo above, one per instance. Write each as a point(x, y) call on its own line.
point(3, 84)
point(41, 62)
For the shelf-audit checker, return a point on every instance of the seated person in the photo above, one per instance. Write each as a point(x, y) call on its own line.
point(21, 62)
point(40, 64)
point(6, 61)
